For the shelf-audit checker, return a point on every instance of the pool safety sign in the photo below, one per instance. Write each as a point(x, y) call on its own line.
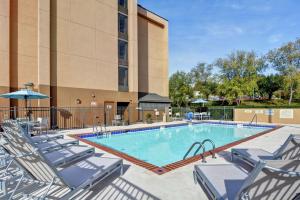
point(286, 113)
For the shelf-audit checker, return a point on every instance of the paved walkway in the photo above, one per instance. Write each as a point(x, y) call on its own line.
point(139, 183)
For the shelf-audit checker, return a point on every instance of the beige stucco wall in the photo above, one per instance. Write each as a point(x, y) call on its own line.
point(153, 53)
point(84, 51)
point(4, 50)
point(275, 115)
point(85, 44)
point(66, 45)
point(23, 43)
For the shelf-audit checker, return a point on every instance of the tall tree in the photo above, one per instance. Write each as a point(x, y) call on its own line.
point(180, 89)
point(201, 72)
point(286, 60)
point(238, 74)
point(269, 84)
point(202, 79)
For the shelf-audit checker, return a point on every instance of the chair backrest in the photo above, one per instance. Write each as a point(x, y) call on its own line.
point(43, 121)
point(35, 163)
point(290, 150)
point(274, 179)
point(117, 117)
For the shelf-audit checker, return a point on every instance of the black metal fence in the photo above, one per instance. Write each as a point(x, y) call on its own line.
point(216, 113)
point(83, 117)
point(60, 117)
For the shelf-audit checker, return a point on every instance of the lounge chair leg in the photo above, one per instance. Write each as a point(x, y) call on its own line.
point(3, 187)
point(122, 170)
point(17, 186)
point(195, 178)
point(48, 189)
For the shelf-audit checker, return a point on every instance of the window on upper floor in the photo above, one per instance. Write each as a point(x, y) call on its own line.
point(123, 3)
point(123, 52)
point(123, 24)
point(123, 79)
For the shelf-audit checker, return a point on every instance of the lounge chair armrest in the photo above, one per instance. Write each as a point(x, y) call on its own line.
point(280, 171)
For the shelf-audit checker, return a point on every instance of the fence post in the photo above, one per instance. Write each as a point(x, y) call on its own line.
point(15, 112)
point(129, 114)
point(53, 117)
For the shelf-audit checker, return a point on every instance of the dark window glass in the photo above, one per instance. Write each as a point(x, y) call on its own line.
point(123, 46)
point(123, 78)
point(122, 23)
point(123, 3)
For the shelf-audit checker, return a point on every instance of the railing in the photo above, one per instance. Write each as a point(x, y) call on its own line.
point(224, 113)
point(254, 117)
point(64, 117)
point(213, 147)
point(201, 146)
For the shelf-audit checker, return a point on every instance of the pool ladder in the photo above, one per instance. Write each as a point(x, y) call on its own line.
point(252, 120)
point(102, 132)
point(201, 146)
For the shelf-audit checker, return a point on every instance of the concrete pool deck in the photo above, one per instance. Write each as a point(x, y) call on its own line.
point(140, 183)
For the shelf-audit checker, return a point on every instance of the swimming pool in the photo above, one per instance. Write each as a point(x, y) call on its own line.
point(162, 146)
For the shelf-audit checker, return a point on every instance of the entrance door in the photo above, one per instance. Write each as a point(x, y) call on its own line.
point(109, 112)
point(122, 110)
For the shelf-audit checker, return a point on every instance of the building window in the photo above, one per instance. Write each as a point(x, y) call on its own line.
point(123, 52)
point(122, 23)
point(123, 79)
point(123, 3)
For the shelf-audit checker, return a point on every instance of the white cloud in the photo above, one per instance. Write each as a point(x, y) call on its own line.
point(224, 30)
point(275, 38)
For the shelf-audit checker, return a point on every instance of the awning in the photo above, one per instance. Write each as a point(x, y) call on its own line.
point(153, 98)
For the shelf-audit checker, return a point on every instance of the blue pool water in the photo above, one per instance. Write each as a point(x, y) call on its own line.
point(164, 146)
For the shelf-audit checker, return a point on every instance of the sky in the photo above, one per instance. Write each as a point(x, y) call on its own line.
point(204, 30)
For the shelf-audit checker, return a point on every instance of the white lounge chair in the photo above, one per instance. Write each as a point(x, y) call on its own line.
point(36, 165)
point(290, 150)
point(59, 157)
point(44, 143)
point(274, 179)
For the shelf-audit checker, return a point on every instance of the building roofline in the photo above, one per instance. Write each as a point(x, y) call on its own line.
point(139, 5)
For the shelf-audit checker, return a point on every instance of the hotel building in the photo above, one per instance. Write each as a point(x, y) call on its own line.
point(109, 52)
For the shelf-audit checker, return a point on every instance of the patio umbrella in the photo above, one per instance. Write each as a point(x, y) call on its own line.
point(200, 101)
point(24, 94)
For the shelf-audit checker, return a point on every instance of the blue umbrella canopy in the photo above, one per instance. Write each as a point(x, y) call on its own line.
point(200, 101)
point(24, 94)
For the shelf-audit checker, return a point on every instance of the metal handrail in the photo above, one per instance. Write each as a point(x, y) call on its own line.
point(213, 145)
point(254, 117)
point(201, 146)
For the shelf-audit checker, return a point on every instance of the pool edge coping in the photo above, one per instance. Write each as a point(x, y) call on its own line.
point(172, 166)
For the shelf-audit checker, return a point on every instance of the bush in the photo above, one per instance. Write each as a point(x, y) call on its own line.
point(148, 118)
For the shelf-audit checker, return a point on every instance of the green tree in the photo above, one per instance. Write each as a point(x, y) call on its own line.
point(202, 72)
point(269, 84)
point(239, 74)
point(206, 88)
point(180, 90)
point(202, 79)
point(286, 60)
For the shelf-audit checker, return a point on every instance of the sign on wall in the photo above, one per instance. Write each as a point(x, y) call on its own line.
point(259, 111)
point(286, 113)
point(248, 111)
point(269, 112)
